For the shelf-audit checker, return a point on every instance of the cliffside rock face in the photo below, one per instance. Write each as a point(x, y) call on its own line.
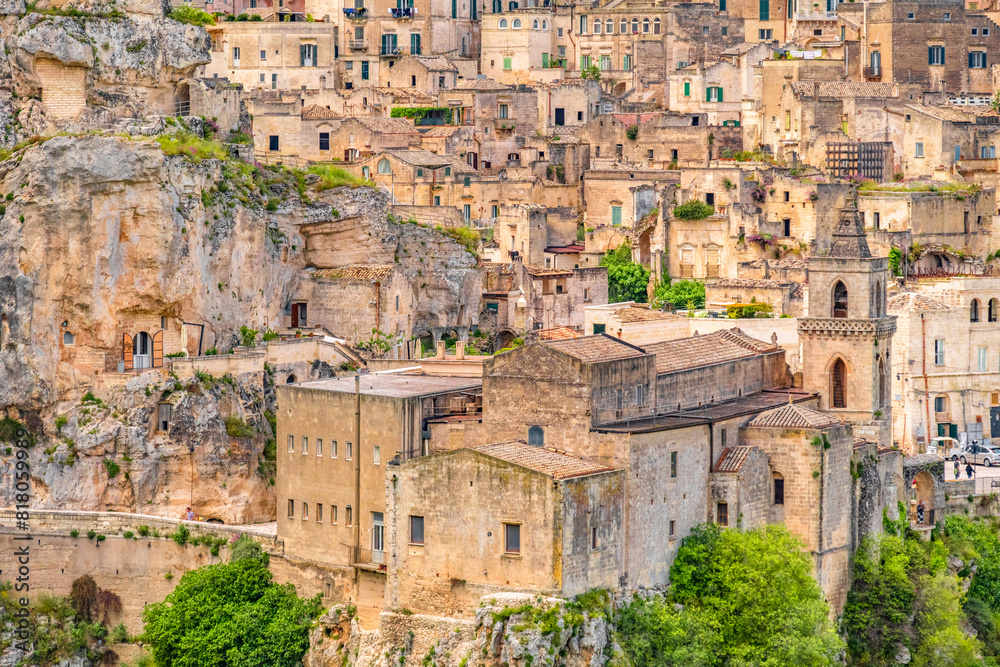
point(510, 630)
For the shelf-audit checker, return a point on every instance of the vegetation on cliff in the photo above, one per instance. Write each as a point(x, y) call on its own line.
point(737, 598)
point(231, 614)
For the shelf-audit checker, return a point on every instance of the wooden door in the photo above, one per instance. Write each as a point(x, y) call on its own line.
point(158, 349)
point(127, 351)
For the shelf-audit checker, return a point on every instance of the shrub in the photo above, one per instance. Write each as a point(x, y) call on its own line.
point(632, 132)
point(237, 428)
point(60, 422)
point(748, 310)
point(143, 531)
point(91, 534)
point(100, 537)
point(176, 355)
point(627, 280)
point(248, 336)
point(128, 535)
point(83, 596)
point(182, 535)
point(112, 467)
point(335, 177)
point(693, 210)
point(119, 634)
point(238, 137)
point(211, 352)
point(191, 147)
point(74, 533)
point(681, 294)
point(192, 15)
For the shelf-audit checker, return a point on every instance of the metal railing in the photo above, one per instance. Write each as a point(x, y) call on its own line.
point(363, 557)
point(182, 108)
point(873, 73)
point(356, 12)
point(402, 12)
point(356, 44)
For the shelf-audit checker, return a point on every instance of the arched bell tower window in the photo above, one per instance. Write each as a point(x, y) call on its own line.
point(839, 300)
point(993, 307)
point(838, 392)
point(878, 298)
point(974, 311)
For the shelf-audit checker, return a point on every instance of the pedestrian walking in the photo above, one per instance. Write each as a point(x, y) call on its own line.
point(189, 515)
point(957, 473)
point(968, 470)
point(920, 512)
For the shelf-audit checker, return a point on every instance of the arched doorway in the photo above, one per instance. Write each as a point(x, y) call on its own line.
point(290, 379)
point(838, 382)
point(923, 484)
point(142, 351)
point(536, 436)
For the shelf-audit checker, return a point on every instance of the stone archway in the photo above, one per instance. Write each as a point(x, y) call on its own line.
point(924, 479)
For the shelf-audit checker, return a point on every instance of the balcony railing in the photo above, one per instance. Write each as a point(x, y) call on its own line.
point(402, 12)
point(367, 558)
point(503, 124)
point(873, 73)
point(357, 44)
point(979, 164)
point(816, 16)
point(356, 12)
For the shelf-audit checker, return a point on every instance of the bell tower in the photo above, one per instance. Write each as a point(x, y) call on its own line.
point(847, 337)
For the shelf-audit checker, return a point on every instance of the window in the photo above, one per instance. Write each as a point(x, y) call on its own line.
point(764, 13)
point(416, 530)
point(673, 464)
point(627, 63)
point(981, 359)
point(985, 32)
point(307, 55)
point(503, 110)
point(384, 167)
point(671, 530)
point(986, 152)
point(764, 35)
point(364, 70)
point(722, 514)
point(350, 516)
point(236, 56)
point(536, 436)
point(305, 511)
point(656, 26)
point(333, 514)
point(512, 538)
point(506, 63)
point(515, 24)
point(350, 451)
point(725, 31)
point(319, 513)
point(545, 24)
point(704, 30)
point(877, 220)
point(639, 395)
point(291, 508)
point(447, 171)
point(616, 215)
point(272, 143)
point(584, 62)
point(291, 443)
point(415, 43)
point(502, 25)
point(333, 449)
point(560, 32)
point(593, 538)
point(319, 447)
point(713, 94)
point(974, 311)
point(918, 150)
point(935, 55)
point(467, 181)
point(376, 455)
point(605, 63)
point(839, 381)
point(305, 445)
point(597, 26)
point(623, 26)
point(165, 410)
point(910, 16)
point(947, 16)
point(940, 404)
point(635, 25)
point(839, 300)
point(263, 54)
point(645, 26)
point(939, 351)
point(687, 89)
point(977, 60)
point(583, 25)
point(324, 141)
point(991, 311)
point(779, 490)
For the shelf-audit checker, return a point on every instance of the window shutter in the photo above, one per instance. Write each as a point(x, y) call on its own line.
point(971, 63)
point(720, 93)
point(127, 351)
point(942, 55)
point(158, 349)
point(708, 94)
point(302, 55)
point(930, 55)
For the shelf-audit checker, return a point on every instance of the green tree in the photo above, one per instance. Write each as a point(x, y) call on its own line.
point(737, 598)
point(627, 280)
point(938, 619)
point(591, 73)
point(681, 294)
point(231, 614)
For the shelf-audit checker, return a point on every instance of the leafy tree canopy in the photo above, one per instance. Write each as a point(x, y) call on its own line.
point(627, 280)
point(681, 294)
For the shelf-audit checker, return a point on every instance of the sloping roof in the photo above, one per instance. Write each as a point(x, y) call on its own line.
point(387, 125)
point(757, 283)
point(421, 158)
point(366, 273)
point(484, 83)
point(601, 347)
point(846, 88)
point(793, 416)
point(570, 249)
point(316, 112)
point(439, 131)
point(558, 333)
point(908, 301)
point(546, 461)
point(717, 347)
point(634, 314)
point(946, 113)
point(436, 63)
point(545, 272)
point(731, 459)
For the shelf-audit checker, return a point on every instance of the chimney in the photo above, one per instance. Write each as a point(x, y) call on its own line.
point(460, 349)
point(440, 350)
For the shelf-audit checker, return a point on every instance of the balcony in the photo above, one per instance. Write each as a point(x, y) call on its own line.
point(873, 73)
point(816, 16)
point(503, 124)
point(356, 13)
point(402, 12)
point(357, 44)
point(979, 164)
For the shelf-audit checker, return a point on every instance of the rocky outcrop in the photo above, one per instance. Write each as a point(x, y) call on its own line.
point(510, 630)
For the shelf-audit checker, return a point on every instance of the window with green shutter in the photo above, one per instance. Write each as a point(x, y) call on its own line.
point(584, 62)
point(616, 215)
point(722, 5)
point(583, 25)
point(454, 9)
point(687, 89)
point(765, 10)
point(545, 60)
point(506, 63)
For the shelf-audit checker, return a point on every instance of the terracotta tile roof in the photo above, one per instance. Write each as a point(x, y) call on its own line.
point(439, 131)
point(482, 84)
point(545, 272)
point(558, 333)
point(761, 283)
point(602, 347)
point(639, 314)
point(504, 268)
point(367, 273)
point(571, 249)
point(910, 301)
point(946, 113)
point(846, 88)
point(436, 63)
point(421, 158)
point(793, 416)
point(717, 347)
point(731, 459)
point(387, 125)
point(546, 461)
point(316, 112)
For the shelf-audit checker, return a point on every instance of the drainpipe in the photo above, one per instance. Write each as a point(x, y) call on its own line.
point(378, 306)
point(927, 393)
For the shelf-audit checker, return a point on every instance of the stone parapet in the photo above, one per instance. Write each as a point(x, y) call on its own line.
point(819, 327)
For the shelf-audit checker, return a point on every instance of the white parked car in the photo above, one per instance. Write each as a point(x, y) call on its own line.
point(947, 448)
point(988, 456)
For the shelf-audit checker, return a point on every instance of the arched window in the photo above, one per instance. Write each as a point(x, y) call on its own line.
point(609, 26)
point(623, 26)
point(974, 311)
point(635, 25)
point(545, 24)
point(597, 26)
point(878, 298)
point(536, 436)
point(516, 25)
point(992, 314)
point(656, 26)
point(645, 26)
point(503, 24)
point(883, 385)
point(534, 25)
point(779, 488)
point(467, 181)
point(305, 510)
point(839, 300)
point(290, 379)
point(384, 167)
point(839, 382)
point(68, 338)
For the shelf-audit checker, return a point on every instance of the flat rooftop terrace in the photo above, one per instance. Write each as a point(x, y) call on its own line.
point(395, 385)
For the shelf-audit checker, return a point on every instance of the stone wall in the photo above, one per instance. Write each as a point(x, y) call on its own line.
point(64, 93)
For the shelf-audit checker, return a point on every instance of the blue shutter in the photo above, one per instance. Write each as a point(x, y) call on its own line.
point(930, 55)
